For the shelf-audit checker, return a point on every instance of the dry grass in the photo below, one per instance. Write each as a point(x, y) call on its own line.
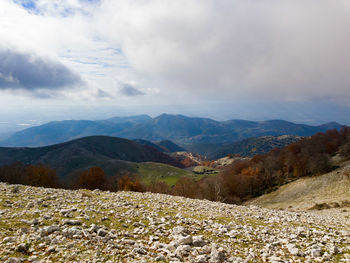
point(313, 192)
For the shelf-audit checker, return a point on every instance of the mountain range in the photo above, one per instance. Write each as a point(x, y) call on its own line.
point(184, 131)
point(110, 153)
point(253, 146)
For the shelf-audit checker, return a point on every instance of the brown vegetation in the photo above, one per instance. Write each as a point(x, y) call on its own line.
point(264, 173)
point(93, 178)
point(35, 175)
point(237, 182)
point(130, 183)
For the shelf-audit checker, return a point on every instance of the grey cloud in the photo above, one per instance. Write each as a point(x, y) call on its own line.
point(103, 94)
point(292, 49)
point(130, 91)
point(30, 72)
point(44, 94)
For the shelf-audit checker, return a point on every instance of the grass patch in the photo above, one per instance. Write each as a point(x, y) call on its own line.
point(161, 172)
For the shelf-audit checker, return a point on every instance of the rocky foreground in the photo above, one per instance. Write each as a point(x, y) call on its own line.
point(53, 225)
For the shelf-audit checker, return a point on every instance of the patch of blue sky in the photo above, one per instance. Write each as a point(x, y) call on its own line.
point(63, 11)
point(28, 5)
point(100, 61)
point(116, 51)
point(101, 64)
point(66, 12)
point(85, 62)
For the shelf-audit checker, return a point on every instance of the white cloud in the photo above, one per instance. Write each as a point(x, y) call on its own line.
point(283, 49)
point(190, 50)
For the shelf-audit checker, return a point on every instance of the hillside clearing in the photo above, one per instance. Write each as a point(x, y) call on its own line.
point(305, 193)
point(161, 172)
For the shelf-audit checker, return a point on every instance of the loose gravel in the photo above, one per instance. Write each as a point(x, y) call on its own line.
point(55, 225)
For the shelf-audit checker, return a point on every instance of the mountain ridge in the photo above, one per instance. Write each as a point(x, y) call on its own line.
point(86, 152)
point(179, 129)
point(253, 146)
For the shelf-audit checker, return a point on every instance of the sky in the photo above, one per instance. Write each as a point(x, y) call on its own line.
point(245, 59)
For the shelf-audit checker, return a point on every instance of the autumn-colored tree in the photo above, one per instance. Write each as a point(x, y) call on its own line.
point(130, 183)
point(112, 183)
point(41, 175)
point(318, 164)
point(93, 178)
point(186, 187)
point(206, 163)
point(344, 150)
point(238, 166)
point(236, 187)
point(188, 162)
point(13, 173)
point(333, 141)
point(250, 171)
point(257, 158)
point(345, 134)
point(206, 188)
point(158, 187)
point(294, 148)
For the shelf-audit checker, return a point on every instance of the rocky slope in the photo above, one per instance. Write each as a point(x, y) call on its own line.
point(52, 225)
point(331, 190)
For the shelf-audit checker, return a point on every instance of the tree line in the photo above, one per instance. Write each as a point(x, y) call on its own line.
point(237, 182)
point(43, 176)
point(245, 179)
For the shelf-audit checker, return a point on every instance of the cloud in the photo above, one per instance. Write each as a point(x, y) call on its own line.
point(102, 94)
point(28, 4)
point(191, 51)
point(61, 8)
point(288, 50)
point(30, 72)
point(130, 91)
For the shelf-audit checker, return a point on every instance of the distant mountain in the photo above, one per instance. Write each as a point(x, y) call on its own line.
point(151, 144)
point(62, 131)
point(131, 119)
point(170, 147)
point(253, 146)
point(107, 152)
point(162, 146)
point(204, 149)
point(182, 130)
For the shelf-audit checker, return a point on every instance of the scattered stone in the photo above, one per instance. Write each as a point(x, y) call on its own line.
point(182, 250)
point(9, 240)
point(334, 250)
point(201, 259)
point(93, 228)
point(22, 248)
point(160, 258)
point(101, 232)
point(14, 260)
point(49, 230)
point(33, 259)
point(140, 251)
point(72, 222)
point(316, 252)
point(184, 240)
point(51, 249)
point(16, 189)
point(216, 256)
point(198, 241)
point(48, 225)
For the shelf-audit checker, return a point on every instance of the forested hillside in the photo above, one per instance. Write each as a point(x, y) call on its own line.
point(182, 130)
